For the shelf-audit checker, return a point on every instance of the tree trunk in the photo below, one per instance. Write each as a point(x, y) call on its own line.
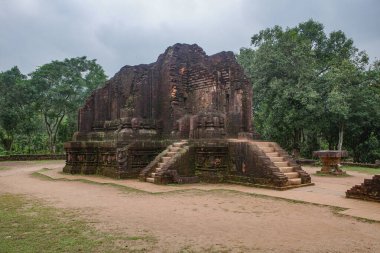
point(296, 143)
point(29, 143)
point(8, 142)
point(52, 130)
point(50, 143)
point(340, 142)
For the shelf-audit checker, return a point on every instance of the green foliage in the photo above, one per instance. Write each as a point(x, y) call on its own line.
point(310, 86)
point(41, 112)
point(368, 150)
point(62, 87)
point(16, 114)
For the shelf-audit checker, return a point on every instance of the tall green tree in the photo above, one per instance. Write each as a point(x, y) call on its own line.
point(62, 87)
point(16, 114)
point(303, 81)
point(363, 125)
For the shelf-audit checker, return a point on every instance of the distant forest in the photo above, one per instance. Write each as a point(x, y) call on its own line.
point(312, 91)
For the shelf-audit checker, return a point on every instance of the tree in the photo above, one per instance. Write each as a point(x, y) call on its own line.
point(363, 125)
point(16, 113)
point(304, 83)
point(62, 87)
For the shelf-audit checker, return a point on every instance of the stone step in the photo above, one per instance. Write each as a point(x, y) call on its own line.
point(291, 175)
point(263, 144)
point(153, 174)
point(281, 164)
point(267, 149)
point(286, 169)
point(273, 154)
point(277, 159)
point(150, 179)
point(169, 153)
point(294, 181)
point(165, 159)
point(159, 165)
point(178, 144)
point(174, 149)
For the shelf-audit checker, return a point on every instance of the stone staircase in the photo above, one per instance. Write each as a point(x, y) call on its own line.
point(161, 163)
point(284, 163)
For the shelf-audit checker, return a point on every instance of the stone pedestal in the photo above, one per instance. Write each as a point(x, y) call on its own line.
point(330, 161)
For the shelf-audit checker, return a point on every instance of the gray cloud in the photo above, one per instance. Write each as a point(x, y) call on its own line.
point(120, 32)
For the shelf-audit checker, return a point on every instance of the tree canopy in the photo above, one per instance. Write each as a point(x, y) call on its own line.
point(15, 106)
point(311, 87)
point(49, 99)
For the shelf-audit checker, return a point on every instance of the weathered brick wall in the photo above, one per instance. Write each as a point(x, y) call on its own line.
point(185, 165)
point(106, 159)
point(183, 81)
point(212, 160)
point(185, 94)
point(250, 165)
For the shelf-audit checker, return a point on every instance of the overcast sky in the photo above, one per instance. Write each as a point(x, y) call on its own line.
point(128, 32)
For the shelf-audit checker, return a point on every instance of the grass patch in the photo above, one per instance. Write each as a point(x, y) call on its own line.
point(4, 168)
point(371, 171)
point(330, 175)
point(40, 175)
point(29, 226)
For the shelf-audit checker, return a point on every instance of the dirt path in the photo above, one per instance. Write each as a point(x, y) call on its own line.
point(214, 220)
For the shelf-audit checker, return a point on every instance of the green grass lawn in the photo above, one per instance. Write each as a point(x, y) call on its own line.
point(347, 168)
point(361, 169)
point(29, 226)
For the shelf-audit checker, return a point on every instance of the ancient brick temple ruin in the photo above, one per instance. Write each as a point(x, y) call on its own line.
point(369, 190)
point(185, 118)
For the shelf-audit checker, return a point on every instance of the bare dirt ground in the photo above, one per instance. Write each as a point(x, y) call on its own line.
point(206, 218)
